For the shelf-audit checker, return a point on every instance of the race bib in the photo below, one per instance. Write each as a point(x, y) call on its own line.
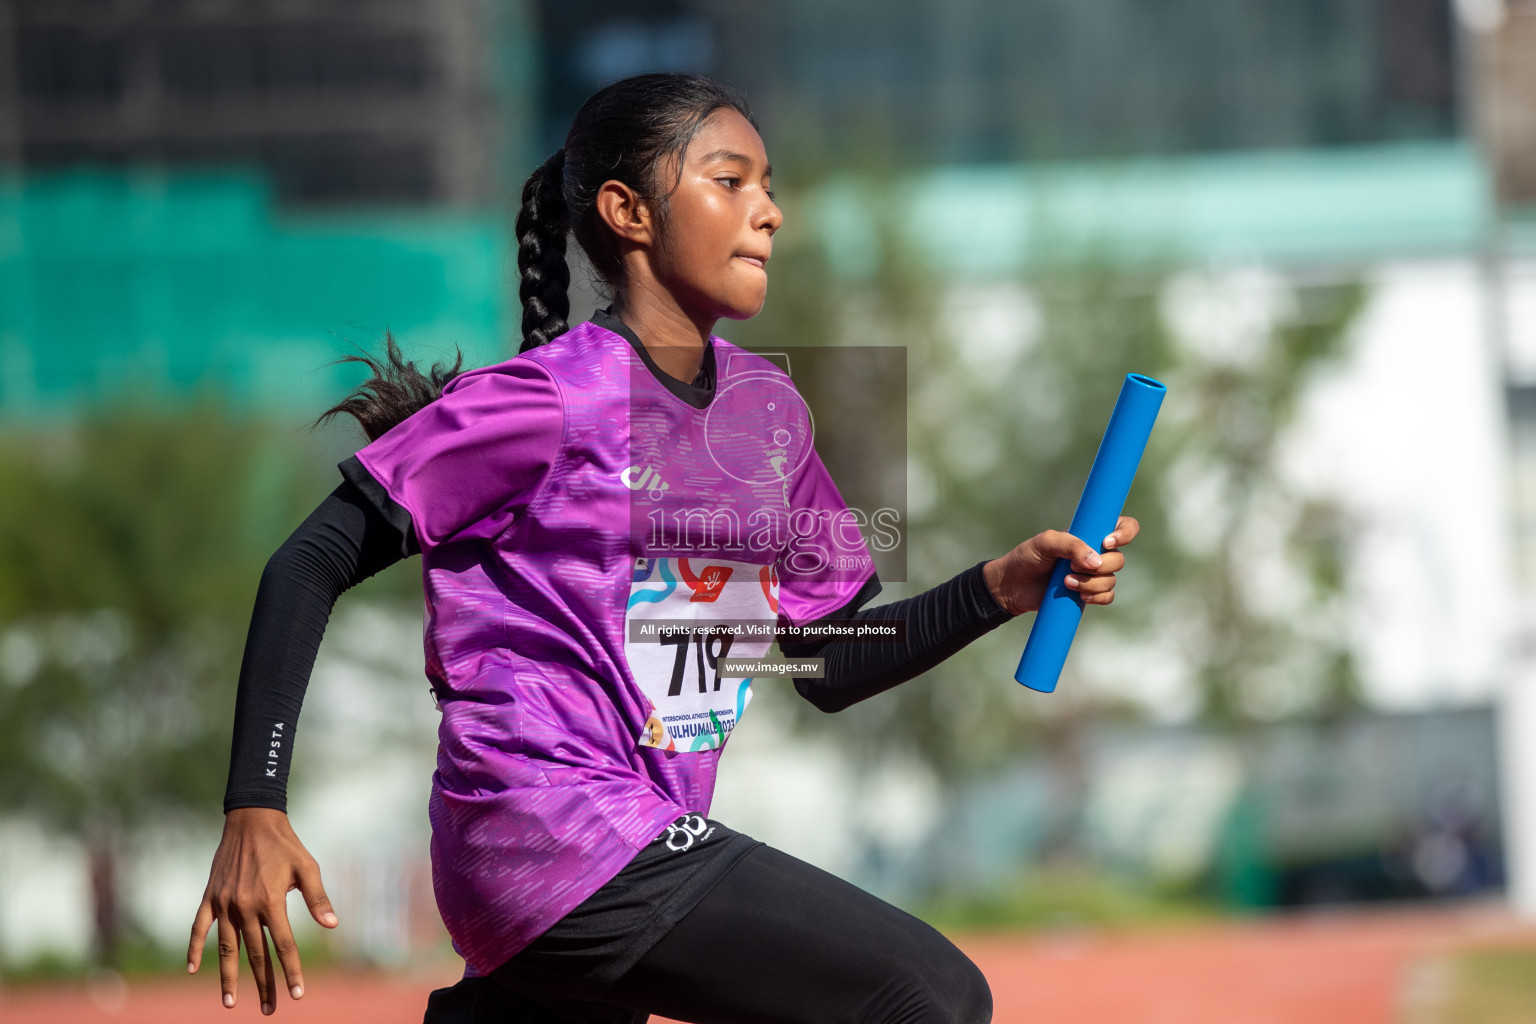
point(692, 707)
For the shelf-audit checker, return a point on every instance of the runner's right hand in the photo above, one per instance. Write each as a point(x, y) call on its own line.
point(258, 862)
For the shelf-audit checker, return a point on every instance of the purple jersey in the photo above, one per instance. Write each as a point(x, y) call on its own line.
point(563, 501)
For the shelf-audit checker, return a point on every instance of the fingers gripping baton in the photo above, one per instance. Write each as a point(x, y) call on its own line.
point(1098, 512)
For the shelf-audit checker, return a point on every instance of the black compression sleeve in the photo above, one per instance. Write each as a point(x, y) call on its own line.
point(939, 622)
point(343, 542)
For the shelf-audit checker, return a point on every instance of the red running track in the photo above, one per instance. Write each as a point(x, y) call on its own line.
point(1350, 968)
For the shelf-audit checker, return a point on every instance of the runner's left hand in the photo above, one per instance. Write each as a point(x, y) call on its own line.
point(1018, 579)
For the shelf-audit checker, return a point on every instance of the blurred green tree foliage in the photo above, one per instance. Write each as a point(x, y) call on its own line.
point(130, 548)
point(1231, 602)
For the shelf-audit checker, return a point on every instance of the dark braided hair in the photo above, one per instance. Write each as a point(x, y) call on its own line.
point(623, 132)
point(545, 276)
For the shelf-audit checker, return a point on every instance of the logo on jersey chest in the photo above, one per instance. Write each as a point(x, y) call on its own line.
point(644, 478)
point(708, 583)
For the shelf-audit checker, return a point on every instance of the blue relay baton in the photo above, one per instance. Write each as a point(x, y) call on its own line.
point(1098, 512)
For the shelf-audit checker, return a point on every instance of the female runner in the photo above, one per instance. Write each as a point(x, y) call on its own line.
point(629, 472)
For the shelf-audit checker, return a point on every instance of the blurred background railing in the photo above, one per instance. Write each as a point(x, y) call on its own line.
point(1316, 221)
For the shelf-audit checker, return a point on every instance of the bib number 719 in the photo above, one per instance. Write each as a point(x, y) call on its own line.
point(708, 646)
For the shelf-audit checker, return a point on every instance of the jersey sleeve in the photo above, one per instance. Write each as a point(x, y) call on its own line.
point(827, 567)
point(467, 464)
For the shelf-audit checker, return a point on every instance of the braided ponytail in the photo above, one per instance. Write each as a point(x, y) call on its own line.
point(542, 225)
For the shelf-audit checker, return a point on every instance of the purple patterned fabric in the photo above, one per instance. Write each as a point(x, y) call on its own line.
point(557, 497)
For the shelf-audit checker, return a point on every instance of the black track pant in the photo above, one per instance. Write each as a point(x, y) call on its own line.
point(776, 940)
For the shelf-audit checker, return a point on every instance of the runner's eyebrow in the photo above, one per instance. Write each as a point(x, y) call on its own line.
point(725, 154)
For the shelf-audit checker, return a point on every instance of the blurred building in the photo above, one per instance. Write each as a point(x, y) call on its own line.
point(200, 194)
point(1505, 87)
point(138, 282)
point(1505, 45)
point(984, 80)
point(392, 105)
point(367, 101)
